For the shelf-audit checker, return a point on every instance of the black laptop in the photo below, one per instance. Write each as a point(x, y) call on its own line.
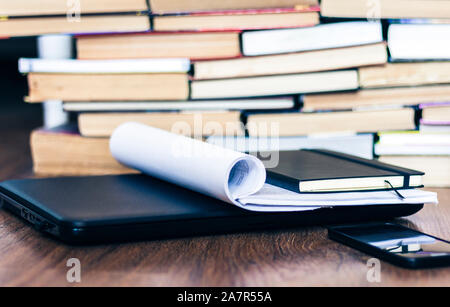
point(86, 210)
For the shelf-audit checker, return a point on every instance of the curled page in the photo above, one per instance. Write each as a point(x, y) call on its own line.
point(205, 168)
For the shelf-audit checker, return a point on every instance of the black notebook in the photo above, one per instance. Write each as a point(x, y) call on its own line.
point(312, 171)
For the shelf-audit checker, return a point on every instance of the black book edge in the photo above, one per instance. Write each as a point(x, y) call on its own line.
point(282, 181)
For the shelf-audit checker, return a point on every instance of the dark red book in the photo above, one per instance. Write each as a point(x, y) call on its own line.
point(238, 20)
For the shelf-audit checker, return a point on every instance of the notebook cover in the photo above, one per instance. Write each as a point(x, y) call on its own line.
point(310, 165)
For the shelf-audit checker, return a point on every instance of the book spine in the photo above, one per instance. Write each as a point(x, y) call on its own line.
point(283, 182)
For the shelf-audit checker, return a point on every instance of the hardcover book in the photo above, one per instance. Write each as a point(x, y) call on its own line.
point(289, 84)
point(436, 168)
point(238, 20)
point(40, 25)
point(368, 98)
point(386, 9)
point(319, 170)
point(435, 113)
point(193, 45)
point(101, 87)
point(62, 151)
point(292, 63)
point(58, 7)
point(177, 6)
point(302, 123)
point(324, 36)
point(418, 42)
point(270, 103)
point(196, 124)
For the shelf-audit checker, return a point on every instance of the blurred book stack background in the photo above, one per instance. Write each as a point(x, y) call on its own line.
point(364, 77)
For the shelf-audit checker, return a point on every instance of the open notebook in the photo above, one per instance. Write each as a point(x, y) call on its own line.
point(231, 176)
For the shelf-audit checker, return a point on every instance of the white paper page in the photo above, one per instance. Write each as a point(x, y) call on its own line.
point(208, 169)
point(276, 208)
point(271, 195)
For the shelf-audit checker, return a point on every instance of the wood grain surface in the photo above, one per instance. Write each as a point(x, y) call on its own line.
point(299, 257)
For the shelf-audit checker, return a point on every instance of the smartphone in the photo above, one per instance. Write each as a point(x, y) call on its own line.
point(394, 243)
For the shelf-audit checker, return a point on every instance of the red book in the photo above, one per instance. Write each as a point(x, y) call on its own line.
point(238, 20)
point(178, 6)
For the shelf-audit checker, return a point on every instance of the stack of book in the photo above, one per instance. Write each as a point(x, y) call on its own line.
point(250, 75)
point(123, 74)
point(417, 75)
point(427, 149)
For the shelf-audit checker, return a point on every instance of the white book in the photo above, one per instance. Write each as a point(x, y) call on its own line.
point(419, 41)
point(172, 65)
point(360, 145)
point(199, 105)
point(435, 128)
point(413, 143)
point(414, 150)
point(414, 138)
point(325, 36)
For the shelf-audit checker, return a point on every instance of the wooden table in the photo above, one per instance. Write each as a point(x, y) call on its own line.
point(300, 257)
